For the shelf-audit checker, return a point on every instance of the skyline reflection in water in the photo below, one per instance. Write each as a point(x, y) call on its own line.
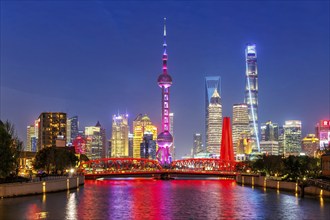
point(156, 199)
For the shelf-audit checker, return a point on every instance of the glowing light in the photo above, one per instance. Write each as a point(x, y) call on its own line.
point(44, 187)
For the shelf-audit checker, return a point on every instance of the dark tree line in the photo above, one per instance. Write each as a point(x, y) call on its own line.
point(10, 149)
point(54, 160)
point(290, 168)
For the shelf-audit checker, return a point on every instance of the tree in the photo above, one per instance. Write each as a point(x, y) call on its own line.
point(10, 149)
point(55, 160)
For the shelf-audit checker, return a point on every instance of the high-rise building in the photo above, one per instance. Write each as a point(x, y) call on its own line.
point(244, 145)
point(103, 140)
point(141, 125)
point(280, 140)
point(172, 148)
point(269, 131)
point(148, 147)
point(292, 137)
point(240, 123)
point(214, 124)
point(32, 137)
point(251, 93)
point(95, 141)
point(72, 129)
point(212, 84)
point(130, 144)
point(119, 137)
point(310, 144)
point(165, 138)
point(198, 144)
point(51, 124)
point(269, 147)
point(322, 131)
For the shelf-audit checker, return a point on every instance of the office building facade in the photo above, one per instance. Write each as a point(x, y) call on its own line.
point(119, 136)
point(212, 84)
point(310, 144)
point(95, 141)
point(240, 123)
point(214, 124)
point(251, 94)
point(322, 131)
point(148, 147)
point(198, 144)
point(292, 137)
point(141, 125)
point(50, 125)
point(269, 131)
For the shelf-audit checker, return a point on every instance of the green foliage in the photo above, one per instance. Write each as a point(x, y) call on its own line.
point(301, 167)
point(291, 168)
point(10, 149)
point(54, 160)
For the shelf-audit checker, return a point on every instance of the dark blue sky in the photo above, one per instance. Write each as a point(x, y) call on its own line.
point(93, 58)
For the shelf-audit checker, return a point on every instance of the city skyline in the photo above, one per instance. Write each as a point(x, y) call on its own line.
point(67, 63)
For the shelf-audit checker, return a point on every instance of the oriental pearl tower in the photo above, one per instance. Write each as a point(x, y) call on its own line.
point(165, 139)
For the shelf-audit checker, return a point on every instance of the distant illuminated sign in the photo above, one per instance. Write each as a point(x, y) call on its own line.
point(325, 123)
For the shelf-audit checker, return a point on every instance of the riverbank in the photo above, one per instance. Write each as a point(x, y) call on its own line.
point(44, 186)
point(262, 181)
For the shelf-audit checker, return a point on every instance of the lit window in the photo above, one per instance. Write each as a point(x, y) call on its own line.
point(165, 104)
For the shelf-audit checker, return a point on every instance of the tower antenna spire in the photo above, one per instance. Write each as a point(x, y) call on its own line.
point(165, 52)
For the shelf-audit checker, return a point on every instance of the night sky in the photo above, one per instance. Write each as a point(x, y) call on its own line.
point(95, 58)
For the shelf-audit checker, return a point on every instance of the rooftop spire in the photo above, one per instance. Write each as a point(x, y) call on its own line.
point(165, 53)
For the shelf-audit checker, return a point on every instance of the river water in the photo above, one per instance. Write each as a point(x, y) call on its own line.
point(159, 199)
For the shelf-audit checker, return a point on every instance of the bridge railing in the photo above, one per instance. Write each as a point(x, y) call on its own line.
point(141, 165)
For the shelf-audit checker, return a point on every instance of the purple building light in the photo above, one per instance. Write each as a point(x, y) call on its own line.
point(165, 139)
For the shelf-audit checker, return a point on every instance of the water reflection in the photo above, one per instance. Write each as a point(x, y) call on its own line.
point(154, 199)
point(71, 207)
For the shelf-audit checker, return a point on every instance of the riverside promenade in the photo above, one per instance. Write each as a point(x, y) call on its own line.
point(262, 181)
point(45, 185)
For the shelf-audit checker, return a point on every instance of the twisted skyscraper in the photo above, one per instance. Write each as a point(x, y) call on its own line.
point(251, 93)
point(165, 139)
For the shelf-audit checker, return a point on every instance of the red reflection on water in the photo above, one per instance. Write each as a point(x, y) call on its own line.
point(33, 212)
point(156, 199)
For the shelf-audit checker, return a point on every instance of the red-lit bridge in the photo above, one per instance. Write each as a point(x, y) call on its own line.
point(136, 167)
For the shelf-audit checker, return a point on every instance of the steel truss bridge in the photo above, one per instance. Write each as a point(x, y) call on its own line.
point(140, 167)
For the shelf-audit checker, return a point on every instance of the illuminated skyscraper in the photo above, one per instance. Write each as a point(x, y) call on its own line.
point(310, 144)
point(292, 137)
point(95, 141)
point(119, 136)
point(240, 123)
point(212, 83)
point(322, 130)
point(198, 144)
point(141, 125)
point(214, 124)
point(269, 131)
point(32, 137)
point(51, 125)
point(165, 139)
point(251, 93)
point(148, 147)
point(130, 144)
point(72, 129)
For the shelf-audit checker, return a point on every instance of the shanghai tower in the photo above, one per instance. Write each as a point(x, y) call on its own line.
point(251, 94)
point(165, 139)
